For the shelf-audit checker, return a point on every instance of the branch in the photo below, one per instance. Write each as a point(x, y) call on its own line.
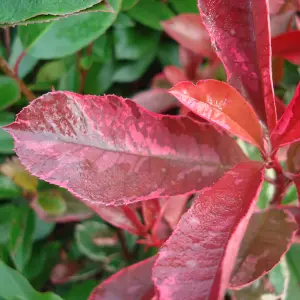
point(9, 72)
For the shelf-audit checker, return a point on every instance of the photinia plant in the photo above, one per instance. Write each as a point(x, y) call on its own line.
point(182, 183)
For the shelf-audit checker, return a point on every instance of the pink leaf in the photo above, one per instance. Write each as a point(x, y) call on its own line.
point(189, 32)
point(160, 81)
point(196, 261)
point(220, 103)
point(287, 46)
point(280, 23)
point(176, 206)
point(133, 283)
point(287, 129)
point(155, 100)
point(108, 150)
point(293, 158)
point(240, 34)
point(268, 237)
point(174, 74)
point(150, 211)
point(275, 5)
point(115, 216)
point(295, 212)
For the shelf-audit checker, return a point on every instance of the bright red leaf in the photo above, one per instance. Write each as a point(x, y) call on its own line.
point(287, 46)
point(196, 261)
point(174, 74)
point(188, 31)
point(287, 129)
point(269, 235)
point(156, 100)
point(133, 282)
point(108, 150)
point(240, 35)
point(220, 103)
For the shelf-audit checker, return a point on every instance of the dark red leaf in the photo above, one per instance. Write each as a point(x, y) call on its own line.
point(132, 283)
point(240, 35)
point(295, 211)
point(108, 150)
point(220, 103)
point(188, 31)
point(150, 211)
point(287, 129)
point(155, 100)
point(160, 81)
point(268, 237)
point(293, 158)
point(196, 261)
point(174, 74)
point(287, 46)
point(63, 272)
point(190, 62)
point(280, 107)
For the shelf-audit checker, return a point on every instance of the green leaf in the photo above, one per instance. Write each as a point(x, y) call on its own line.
point(21, 234)
point(168, 53)
point(52, 203)
point(14, 286)
point(27, 63)
point(9, 91)
point(128, 4)
point(42, 228)
point(67, 35)
point(95, 240)
point(186, 6)
point(131, 71)
point(123, 21)
point(103, 48)
point(51, 71)
point(44, 258)
point(6, 141)
point(8, 189)
point(150, 13)
point(21, 11)
point(6, 214)
point(291, 195)
point(69, 81)
point(81, 291)
point(133, 43)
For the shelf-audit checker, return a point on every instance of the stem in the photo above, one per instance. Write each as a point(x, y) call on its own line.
point(83, 72)
point(126, 254)
point(9, 72)
point(7, 40)
point(17, 64)
point(131, 215)
point(280, 182)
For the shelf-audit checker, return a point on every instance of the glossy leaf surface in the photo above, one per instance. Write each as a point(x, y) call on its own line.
point(240, 35)
point(9, 91)
point(287, 129)
point(67, 35)
point(189, 32)
point(220, 103)
point(106, 149)
point(269, 235)
point(286, 46)
point(133, 282)
point(196, 261)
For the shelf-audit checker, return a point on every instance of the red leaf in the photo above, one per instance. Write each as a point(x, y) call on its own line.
point(160, 81)
point(190, 62)
point(107, 150)
point(188, 31)
point(280, 23)
point(293, 158)
point(268, 237)
point(287, 46)
point(295, 211)
point(240, 34)
point(150, 211)
point(174, 74)
point(280, 107)
point(64, 271)
point(155, 100)
point(116, 217)
point(275, 5)
point(133, 282)
point(220, 103)
point(196, 261)
point(287, 129)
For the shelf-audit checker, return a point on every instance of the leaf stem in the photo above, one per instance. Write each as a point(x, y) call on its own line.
point(7, 40)
point(9, 72)
point(126, 254)
point(280, 182)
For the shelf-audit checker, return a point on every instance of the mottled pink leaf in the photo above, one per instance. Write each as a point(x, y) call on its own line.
point(189, 32)
point(176, 206)
point(132, 283)
point(196, 261)
point(287, 129)
point(241, 37)
point(275, 5)
point(287, 46)
point(295, 211)
point(116, 217)
point(268, 237)
point(174, 74)
point(221, 104)
point(280, 23)
point(108, 150)
point(156, 100)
